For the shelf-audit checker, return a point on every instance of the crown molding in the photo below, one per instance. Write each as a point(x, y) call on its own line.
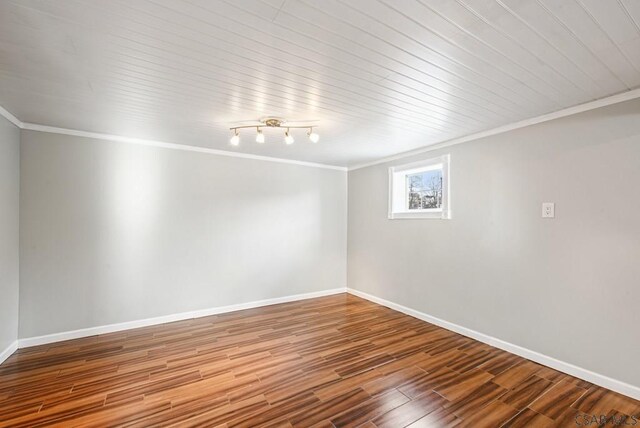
point(11, 118)
point(580, 108)
point(154, 143)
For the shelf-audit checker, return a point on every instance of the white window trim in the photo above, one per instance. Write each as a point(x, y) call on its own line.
point(442, 213)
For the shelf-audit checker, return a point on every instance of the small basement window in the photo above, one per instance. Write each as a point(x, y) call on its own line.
point(420, 189)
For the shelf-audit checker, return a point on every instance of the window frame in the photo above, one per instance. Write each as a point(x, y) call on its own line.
point(397, 184)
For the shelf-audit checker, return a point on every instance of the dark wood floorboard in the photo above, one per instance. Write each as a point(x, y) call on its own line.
point(337, 361)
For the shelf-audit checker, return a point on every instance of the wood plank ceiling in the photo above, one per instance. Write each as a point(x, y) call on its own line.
point(378, 77)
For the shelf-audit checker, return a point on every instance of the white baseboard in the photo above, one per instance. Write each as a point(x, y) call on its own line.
point(579, 372)
point(93, 331)
point(7, 352)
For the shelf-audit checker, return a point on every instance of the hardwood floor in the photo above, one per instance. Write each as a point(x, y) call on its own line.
point(332, 361)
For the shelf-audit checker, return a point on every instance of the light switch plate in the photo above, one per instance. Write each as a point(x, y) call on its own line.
point(548, 210)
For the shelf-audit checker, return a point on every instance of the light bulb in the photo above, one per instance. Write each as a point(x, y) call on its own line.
point(235, 140)
point(260, 137)
point(313, 137)
point(288, 138)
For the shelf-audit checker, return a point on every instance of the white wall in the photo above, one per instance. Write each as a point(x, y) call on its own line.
point(114, 232)
point(9, 241)
point(568, 288)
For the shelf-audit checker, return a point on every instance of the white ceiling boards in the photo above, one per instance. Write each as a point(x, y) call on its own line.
point(379, 77)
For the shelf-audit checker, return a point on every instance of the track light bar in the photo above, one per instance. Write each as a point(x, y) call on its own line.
point(273, 123)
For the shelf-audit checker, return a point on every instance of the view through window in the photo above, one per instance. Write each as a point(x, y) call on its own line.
point(420, 189)
point(424, 190)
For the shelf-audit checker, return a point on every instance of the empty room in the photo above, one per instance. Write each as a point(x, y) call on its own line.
point(320, 213)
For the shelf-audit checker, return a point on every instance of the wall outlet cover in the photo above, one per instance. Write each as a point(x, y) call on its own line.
point(548, 210)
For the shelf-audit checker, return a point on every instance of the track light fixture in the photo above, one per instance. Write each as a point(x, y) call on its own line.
point(259, 136)
point(313, 137)
point(288, 138)
point(235, 140)
point(272, 122)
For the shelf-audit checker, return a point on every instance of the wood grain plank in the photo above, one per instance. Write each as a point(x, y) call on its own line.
point(334, 361)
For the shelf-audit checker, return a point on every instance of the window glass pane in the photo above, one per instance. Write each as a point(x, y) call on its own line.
point(424, 190)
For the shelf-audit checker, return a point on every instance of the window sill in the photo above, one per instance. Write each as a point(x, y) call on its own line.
point(438, 215)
